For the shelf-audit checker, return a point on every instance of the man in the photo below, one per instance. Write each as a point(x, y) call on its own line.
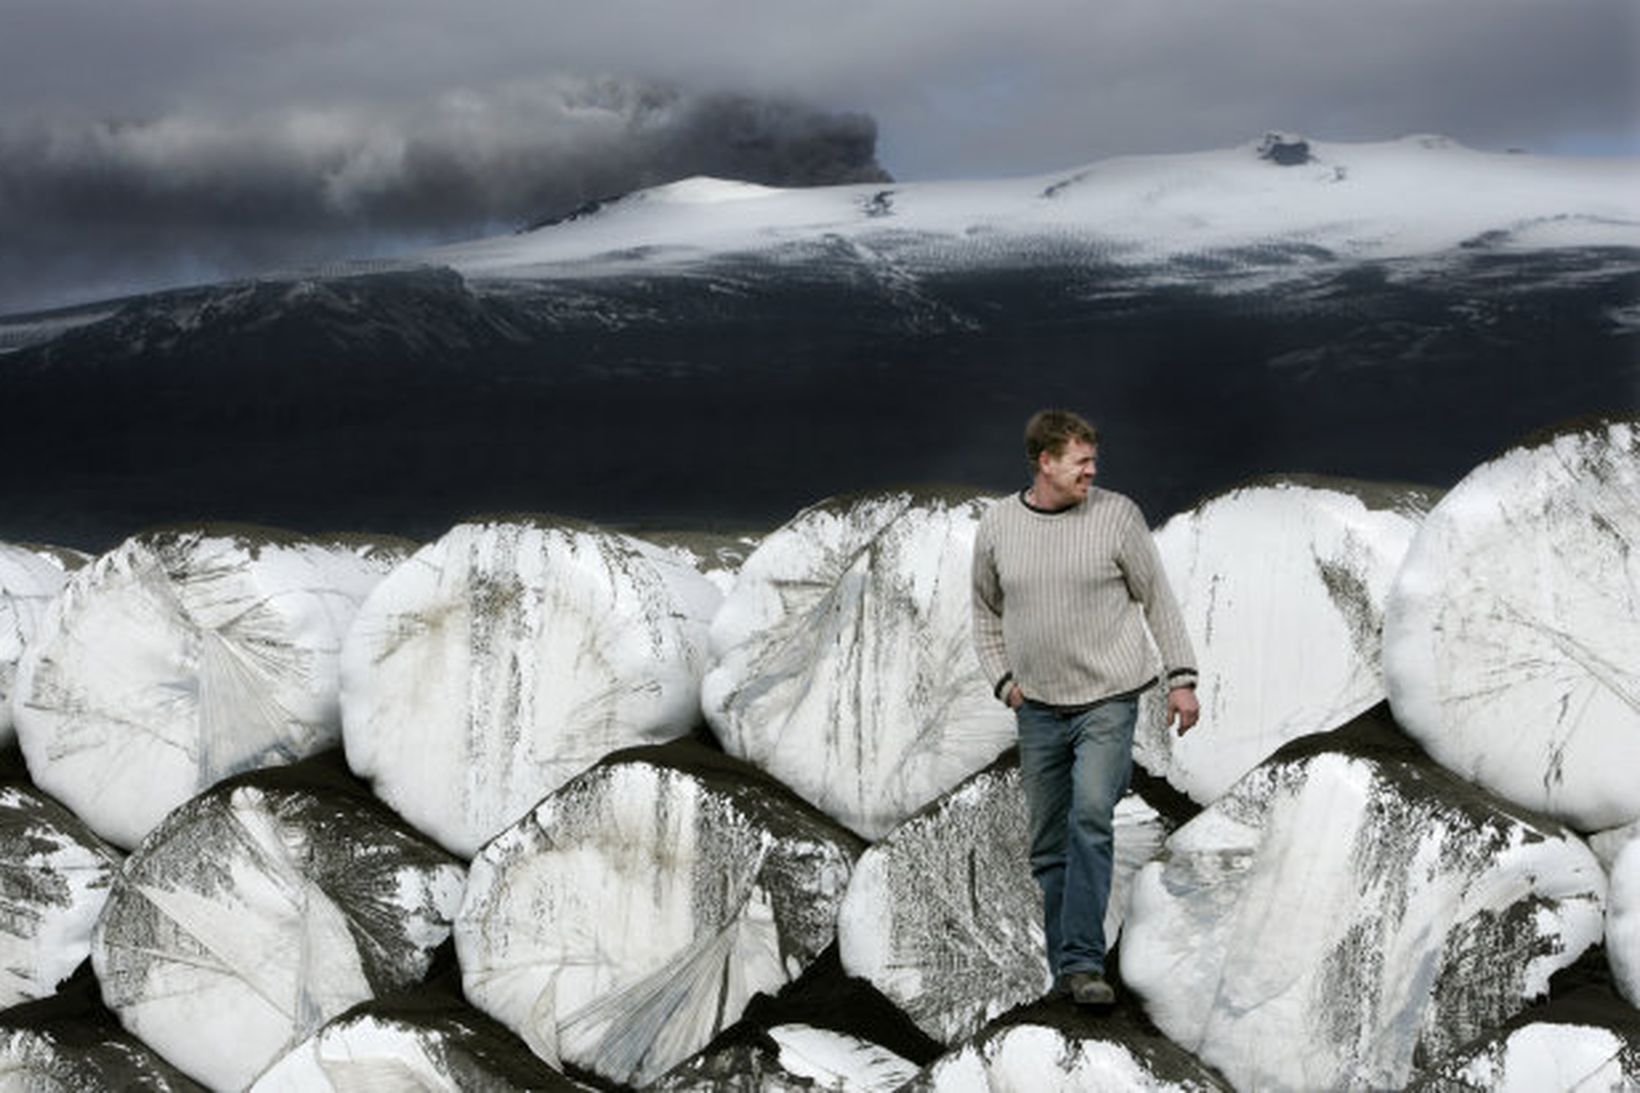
point(1066, 585)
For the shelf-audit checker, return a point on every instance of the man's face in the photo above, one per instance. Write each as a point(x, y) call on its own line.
point(1067, 476)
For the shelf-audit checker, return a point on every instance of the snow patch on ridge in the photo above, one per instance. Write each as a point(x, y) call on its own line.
point(1344, 201)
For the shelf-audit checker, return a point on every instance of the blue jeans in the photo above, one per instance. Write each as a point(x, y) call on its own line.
point(1075, 767)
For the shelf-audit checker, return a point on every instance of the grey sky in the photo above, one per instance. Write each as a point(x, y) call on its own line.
point(147, 141)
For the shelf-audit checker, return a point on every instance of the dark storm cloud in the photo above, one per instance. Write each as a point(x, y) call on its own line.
point(154, 140)
point(195, 195)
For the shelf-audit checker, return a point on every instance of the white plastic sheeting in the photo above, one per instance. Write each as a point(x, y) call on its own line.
point(253, 915)
point(1035, 1058)
point(505, 658)
point(409, 1052)
point(843, 659)
point(1544, 1056)
point(943, 916)
point(28, 581)
point(1623, 922)
point(1282, 585)
point(54, 877)
point(1512, 633)
point(1333, 919)
point(632, 915)
point(184, 656)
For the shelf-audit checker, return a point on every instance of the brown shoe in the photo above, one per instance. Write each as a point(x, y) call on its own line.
point(1089, 989)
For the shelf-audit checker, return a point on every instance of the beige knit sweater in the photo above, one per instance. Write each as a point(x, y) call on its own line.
point(1062, 601)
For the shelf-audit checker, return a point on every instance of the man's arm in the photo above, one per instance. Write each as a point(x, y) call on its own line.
point(1147, 582)
point(987, 611)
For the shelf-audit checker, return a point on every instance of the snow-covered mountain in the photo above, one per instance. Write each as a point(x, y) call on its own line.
point(1235, 219)
point(1391, 311)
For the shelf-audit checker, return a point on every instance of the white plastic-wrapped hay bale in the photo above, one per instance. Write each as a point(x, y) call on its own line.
point(68, 1057)
point(718, 555)
point(1544, 1055)
point(1351, 913)
point(410, 1044)
point(263, 908)
point(54, 877)
point(508, 656)
point(1282, 584)
point(943, 917)
point(1623, 922)
point(791, 1058)
point(1512, 633)
point(631, 916)
point(181, 657)
point(843, 661)
point(1068, 1053)
point(28, 581)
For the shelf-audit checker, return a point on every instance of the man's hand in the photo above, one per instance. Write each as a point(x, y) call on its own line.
point(1181, 701)
point(1016, 697)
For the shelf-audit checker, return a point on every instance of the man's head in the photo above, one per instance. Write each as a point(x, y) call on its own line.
point(1063, 449)
point(1048, 431)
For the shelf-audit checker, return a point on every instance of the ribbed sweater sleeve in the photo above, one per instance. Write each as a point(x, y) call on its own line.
point(987, 595)
point(1147, 583)
point(1074, 605)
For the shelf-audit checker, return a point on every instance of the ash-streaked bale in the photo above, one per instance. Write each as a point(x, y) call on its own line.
point(1583, 1038)
point(630, 917)
point(67, 1061)
point(1542, 1056)
point(1035, 1057)
point(1623, 922)
point(944, 917)
point(1511, 633)
point(1350, 913)
point(507, 657)
point(184, 656)
point(843, 660)
point(28, 582)
point(1608, 844)
point(411, 1047)
point(1282, 584)
point(64, 558)
point(263, 908)
point(55, 875)
point(71, 1043)
point(717, 554)
point(791, 1059)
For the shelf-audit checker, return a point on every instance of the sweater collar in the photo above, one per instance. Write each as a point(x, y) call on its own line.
point(1045, 512)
